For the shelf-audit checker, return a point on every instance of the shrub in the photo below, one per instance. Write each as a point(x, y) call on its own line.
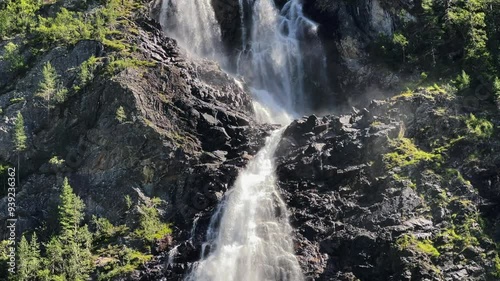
point(121, 116)
point(462, 81)
point(13, 57)
point(67, 28)
point(18, 16)
point(56, 161)
point(428, 248)
point(87, 69)
point(406, 153)
point(479, 127)
point(150, 226)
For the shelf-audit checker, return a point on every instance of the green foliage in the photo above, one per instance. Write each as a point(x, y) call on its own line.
point(479, 127)
point(435, 88)
point(87, 69)
point(18, 16)
point(408, 241)
point(128, 201)
point(118, 65)
point(428, 248)
point(50, 89)
point(150, 226)
point(105, 229)
point(496, 272)
point(462, 81)
point(4, 255)
point(406, 94)
point(13, 57)
point(406, 153)
point(67, 28)
point(496, 90)
point(122, 260)
point(121, 116)
point(17, 100)
point(448, 39)
point(400, 40)
point(19, 133)
point(29, 260)
point(69, 252)
point(70, 211)
point(56, 161)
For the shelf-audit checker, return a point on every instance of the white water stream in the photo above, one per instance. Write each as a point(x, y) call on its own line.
point(249, 237)
point(250, 234)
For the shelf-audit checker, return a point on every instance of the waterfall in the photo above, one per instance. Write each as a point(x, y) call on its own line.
point(280, 51)
point(249, 236)
point(193, 24)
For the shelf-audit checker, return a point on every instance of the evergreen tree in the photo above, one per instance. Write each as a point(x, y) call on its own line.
point(19, 133)
point(55, 261)
point(23, 258)
point(47, 87)
point(29, 261)
point(19, 139)
point(50, 89)
point(71, 249)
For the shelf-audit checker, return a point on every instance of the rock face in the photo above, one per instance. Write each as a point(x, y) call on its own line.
point(358, 218)
point(187, 131)
point(406, 189)
point(365, 203)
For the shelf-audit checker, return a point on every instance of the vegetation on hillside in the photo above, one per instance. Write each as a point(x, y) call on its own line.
point(77, 247)
point(75, 250)
point(448, 39)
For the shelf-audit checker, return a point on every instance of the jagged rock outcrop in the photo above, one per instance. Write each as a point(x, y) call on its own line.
point(359, 218)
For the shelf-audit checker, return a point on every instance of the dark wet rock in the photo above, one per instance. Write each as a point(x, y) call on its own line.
point(351, 213)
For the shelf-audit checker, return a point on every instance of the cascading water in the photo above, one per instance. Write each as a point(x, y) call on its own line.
point(276, 46)
point(249, 237)
point(192, 23)
point(250, 233)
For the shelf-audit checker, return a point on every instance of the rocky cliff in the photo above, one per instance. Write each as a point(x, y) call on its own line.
point(407, 188)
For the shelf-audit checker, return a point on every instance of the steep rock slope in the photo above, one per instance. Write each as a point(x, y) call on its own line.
point(186, 131)
point(404, 190)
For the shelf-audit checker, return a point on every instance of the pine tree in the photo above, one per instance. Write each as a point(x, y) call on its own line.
point(55, 261)
point(29, 259)
point(71, 249)
point(70, 211)
point(19, 133)
point(23, 259)
point(47, 88)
